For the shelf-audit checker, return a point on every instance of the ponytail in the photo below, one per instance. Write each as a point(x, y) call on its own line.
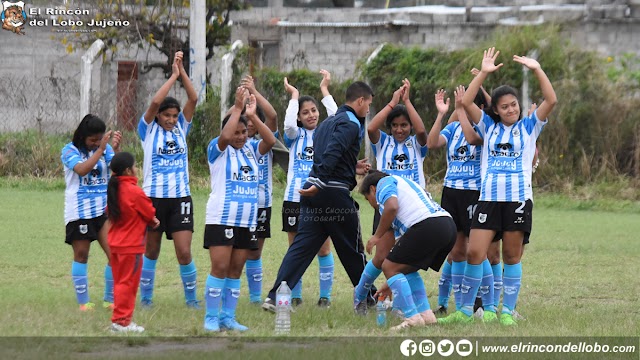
point(120, 162)
point(113, 207)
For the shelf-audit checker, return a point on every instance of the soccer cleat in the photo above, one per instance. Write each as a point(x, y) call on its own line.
point(371, 301)
point(507, 320)
point(194, 304)
point(87, 307)
point(517, 316)
point(360, 308)
point(428, 317)
point(132, 327)
point(295, 302)
point(489, 317)
point(146, 303)
point(441, 310)
point(414, 321)
point(457, 317)
point(108, 305)
point(324, 302)
point(212, 323)
point(269, 305)
point(231, 324)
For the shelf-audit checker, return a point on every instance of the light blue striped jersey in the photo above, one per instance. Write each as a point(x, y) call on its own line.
point(414, 203)
point(265, 176)
point(507, 156)
point(299, 141)
point(403, 159)
point(233, 200)
point(85, 196)
point(463, 159)
point(165, 165)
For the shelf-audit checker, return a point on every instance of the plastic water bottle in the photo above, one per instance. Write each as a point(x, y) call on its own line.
point(283, 309)
point(381, 312)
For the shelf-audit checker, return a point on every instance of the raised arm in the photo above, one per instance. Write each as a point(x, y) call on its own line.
point(327, 100)
point(548, 93)
point(291, 115)
point(435, 140)
point(269, 112)
point(373, 129)
point(488, 66)
point(470, 134)
point(226, 135)
point(192, 95)
point(486, 95)
point(268, 139)
point(414, 117)
point(162, 93)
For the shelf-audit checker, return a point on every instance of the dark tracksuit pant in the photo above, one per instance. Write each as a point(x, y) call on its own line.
point(331, 212)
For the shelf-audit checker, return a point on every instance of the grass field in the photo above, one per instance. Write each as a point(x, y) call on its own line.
point(580, 279)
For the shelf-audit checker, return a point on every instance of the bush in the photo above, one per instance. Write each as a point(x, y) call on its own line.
point(593, 133)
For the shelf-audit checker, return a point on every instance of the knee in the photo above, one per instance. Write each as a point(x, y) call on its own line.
point(458, 253)
point(494, 256)
point(184, 257)
point(324, 251)
point(219, 271)
point(512, 257)
point(81, 256)
point(378, 260)
point(475, 256)
point(255, 254)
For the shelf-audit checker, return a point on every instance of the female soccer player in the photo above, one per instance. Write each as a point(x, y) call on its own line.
point(397, 153)
point(232, 210)
point(426, 233)
point(129, 211)
point(268, 115)
point(86, 163)
point(300, 122)
point(163, 130)
point(505, 202)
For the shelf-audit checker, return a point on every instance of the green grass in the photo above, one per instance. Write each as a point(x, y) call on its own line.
point(580, 279)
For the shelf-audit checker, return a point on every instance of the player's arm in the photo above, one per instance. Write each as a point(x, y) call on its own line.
point(269, 112)
point(435, 140)
point(268, 139)
point(373, 129)
point(488, 66)
point(162, 93)
point(414, 117)
point(226, 135)
point(83, 168)
point(327, 100)
point(470, 134)
point(192, 95)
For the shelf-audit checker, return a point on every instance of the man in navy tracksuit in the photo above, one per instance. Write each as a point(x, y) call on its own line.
point(326, 205)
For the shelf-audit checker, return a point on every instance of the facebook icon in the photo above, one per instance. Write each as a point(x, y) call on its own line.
point(408, 347)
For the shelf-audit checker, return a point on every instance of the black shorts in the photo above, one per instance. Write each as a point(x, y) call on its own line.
point(174, 215)
point(263, 230)
point(460, 204)
point(504, 216)
point(222, 235)
point(84, 229)
point(426, 244)
point(290, 216)
point(525, 240)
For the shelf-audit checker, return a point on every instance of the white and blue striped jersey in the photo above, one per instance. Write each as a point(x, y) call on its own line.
point(414, 203)
point(463, 159)
point(165, 165)
point(233, 200)
point(265, 177)
point(85, 196)
point(403, 159)
point(299, 141)
point(507, 156)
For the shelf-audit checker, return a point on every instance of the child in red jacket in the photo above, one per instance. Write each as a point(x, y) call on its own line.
point(129, 211)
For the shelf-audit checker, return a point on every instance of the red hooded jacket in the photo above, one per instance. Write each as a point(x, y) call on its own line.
point(128, 234)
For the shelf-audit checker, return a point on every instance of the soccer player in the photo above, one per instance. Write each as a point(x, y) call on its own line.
point(461, 187)
point(232, 210)
point(163, 130)
point(426, 233)
point(268, 115)
point(505, 203)
point(129, 211)
point(397, 153)
point(326, 207)
point(86, 172)
point(300, 123)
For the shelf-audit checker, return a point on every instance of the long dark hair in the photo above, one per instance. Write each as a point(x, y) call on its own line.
point(169, 103)
point(90, 125)
point(398, 110)
point(120, 162)
point(496, 95)
point(303, 99)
